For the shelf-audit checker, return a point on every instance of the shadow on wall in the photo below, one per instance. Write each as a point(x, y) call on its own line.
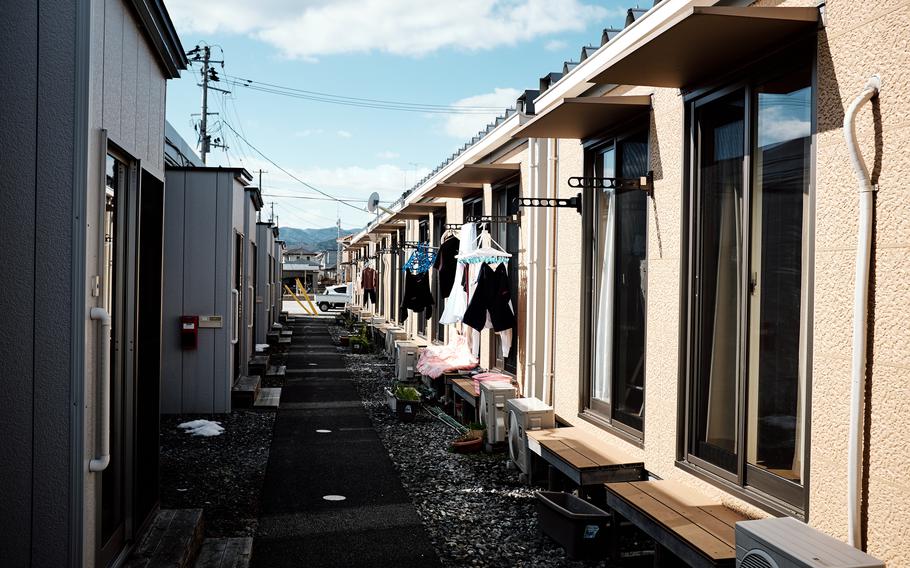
point(656, 165)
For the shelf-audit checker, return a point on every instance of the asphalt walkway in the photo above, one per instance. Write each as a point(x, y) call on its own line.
point(324, 448)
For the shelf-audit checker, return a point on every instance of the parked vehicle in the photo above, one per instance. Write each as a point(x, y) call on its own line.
point(333, 297)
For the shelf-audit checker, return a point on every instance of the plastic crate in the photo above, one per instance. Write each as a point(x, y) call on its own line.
point(578, 526)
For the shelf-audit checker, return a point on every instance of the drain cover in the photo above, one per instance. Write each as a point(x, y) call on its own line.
point(334, 497)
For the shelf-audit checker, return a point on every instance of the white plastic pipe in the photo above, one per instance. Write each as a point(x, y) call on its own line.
point(549, 280)
point(530, 378)
point(103, 456)
point(860, 314)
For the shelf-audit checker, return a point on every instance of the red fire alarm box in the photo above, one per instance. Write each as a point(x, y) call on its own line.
point(189, 331)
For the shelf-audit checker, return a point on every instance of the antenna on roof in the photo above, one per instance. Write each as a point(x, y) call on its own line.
point(373, 204)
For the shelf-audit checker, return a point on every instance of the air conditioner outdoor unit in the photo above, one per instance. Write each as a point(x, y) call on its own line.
point(788, 543)
point(493, 397)
point(526, 414)
point(391, 337)
point(406, 360)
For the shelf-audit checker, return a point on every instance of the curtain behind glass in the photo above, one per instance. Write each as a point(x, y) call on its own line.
point(719, 242)
point(604, 253)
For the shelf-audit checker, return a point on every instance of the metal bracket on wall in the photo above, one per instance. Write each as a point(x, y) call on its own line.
point(620, 185)
point(573, 202)
point(506, 219)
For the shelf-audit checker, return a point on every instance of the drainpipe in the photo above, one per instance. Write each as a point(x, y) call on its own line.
point(551, 270)
point(530, 382)
point(860, 313)
point(549, 280)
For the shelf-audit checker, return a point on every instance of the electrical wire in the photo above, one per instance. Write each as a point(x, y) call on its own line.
point(289, 174)
point(329, 97)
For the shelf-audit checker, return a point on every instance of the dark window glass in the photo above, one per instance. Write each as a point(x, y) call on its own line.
point(719, 192)
point(777, 330)
point(506, 234)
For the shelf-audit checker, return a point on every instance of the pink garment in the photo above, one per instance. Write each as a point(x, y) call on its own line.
point(454, 356)
point(482, 377)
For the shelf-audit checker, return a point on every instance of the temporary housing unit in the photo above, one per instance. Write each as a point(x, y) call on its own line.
point(705, 324)
point(251, 208)
point(266, 284)
point(278, 276)
point(81, 141)
point(205, 283)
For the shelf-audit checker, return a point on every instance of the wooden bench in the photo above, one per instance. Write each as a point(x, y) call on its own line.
point(585, 460)
point(689, 526)
point(464, 389)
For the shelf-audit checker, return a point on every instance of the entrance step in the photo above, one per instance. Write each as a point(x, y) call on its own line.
point(172, 540)
point(225, 552)
point(245, 391)
point(268, 398)
point(276, 371)
point(259, 364)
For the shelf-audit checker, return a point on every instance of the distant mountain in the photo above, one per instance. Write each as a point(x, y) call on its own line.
point(312, 239)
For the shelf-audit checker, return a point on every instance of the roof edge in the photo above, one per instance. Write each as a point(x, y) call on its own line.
point(161, 32)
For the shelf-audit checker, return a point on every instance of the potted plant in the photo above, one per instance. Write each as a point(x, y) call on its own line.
point(407, 402)
point(360, 343)
point(468, 443)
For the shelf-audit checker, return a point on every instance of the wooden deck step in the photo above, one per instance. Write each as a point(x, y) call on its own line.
point(172, 540)
point(284, 341)
point(287, 333)
point(276, 371)
point(245, 391)
point(225, 552)
point(268, 398)
point(259, 364)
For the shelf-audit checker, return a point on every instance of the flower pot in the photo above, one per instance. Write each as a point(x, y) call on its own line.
point(344, 340)
point(468, 445)
point(357, 347)
point(407, 409)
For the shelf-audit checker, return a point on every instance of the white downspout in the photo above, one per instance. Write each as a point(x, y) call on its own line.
point(551, 271)
point(860, 315)
point(530, 383)
point(549, 296)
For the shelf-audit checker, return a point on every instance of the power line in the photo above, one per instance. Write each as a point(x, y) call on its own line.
point(261, 84)
point(314, 198)
point(289, 174)
point(363, 103)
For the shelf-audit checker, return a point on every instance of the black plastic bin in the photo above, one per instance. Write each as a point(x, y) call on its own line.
point(578, 526)
point(407, 409)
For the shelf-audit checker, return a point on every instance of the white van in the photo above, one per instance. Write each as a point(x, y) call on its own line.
point(334, 297)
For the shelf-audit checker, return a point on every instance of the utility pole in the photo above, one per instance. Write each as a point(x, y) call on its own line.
point(203, 127)
point(272, 215)
point(204, 55)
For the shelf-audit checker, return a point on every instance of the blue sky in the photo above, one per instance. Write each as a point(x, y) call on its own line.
point(472, 52)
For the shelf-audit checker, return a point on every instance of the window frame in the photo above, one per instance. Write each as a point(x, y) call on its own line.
point(750, 483)
point(439, 227)
point(500, 231)
point(603, 418)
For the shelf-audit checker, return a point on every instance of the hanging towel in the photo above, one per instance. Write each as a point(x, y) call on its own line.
point(457, 300)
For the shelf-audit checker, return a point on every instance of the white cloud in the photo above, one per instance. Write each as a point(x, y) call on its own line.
point(311, 28)
point(465, 126)
point(308, 132)
point(387, 155)
point(343, 134)
point(556, 45)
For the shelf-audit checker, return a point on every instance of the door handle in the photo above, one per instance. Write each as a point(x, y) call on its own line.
point(235, 320)
point(252, 309)
point(103, 457)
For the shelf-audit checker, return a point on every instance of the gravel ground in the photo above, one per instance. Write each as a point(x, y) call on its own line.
point(221, 474)
point(474, 508)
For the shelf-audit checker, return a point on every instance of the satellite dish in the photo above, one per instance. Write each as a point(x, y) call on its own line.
point(373, 205)
point(373, 202)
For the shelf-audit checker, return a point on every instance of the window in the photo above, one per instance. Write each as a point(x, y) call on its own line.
point(618, 265)
point(506, 234)
point(748, 295)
